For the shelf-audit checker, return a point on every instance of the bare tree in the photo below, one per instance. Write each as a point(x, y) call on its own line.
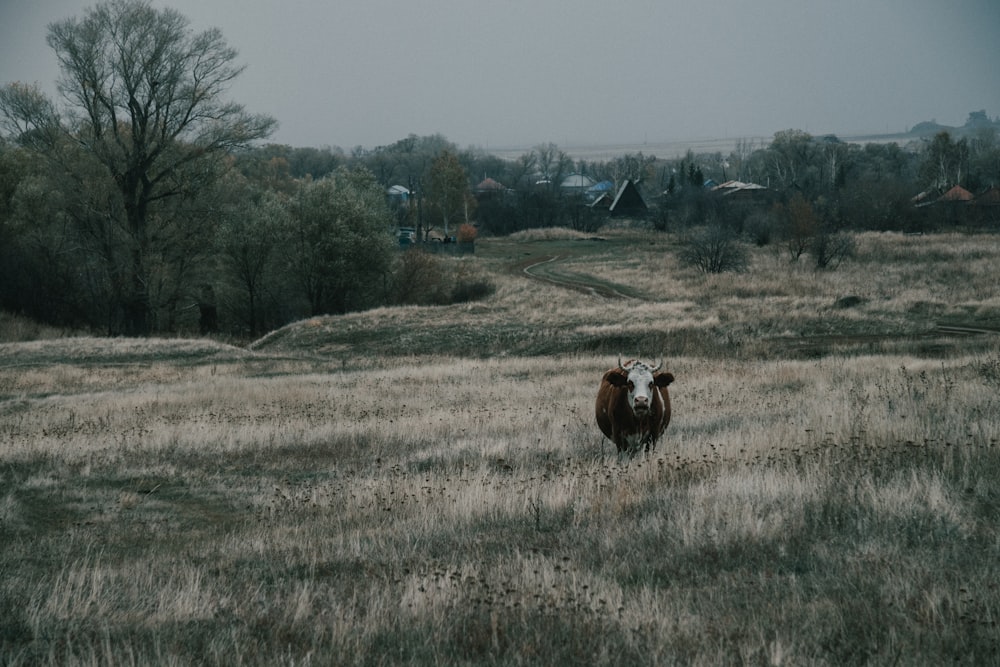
point(830, 249)
point(714, 249)
point(789, 156)
point(144, 99)
point(521, 169)
point(634, 167)
point(739, 159)
point(553, 164)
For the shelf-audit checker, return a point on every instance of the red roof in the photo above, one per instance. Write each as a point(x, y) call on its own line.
point(957, 193)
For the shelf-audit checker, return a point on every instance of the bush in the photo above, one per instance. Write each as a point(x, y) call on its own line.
point(425, 279)
point(16, 328)
point(714, 249)
point(472, 291)
point(420, 279)
point(759, 227)
point(466, 233)
point(830, 249)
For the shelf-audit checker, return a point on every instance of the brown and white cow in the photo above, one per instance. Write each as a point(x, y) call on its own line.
point(633, 405)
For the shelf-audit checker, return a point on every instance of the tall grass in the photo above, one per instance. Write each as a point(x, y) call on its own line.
point(181, 502)
point(903, 287)
point(17, 328)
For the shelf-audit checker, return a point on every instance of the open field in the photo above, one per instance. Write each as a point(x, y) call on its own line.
point(671, 149)
point(666, 149)
point(425, 485)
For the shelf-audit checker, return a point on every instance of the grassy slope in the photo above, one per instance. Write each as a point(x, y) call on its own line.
point(405, 486)
point(905, 287)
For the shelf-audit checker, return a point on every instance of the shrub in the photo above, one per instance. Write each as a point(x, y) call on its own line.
point(466, 233)
point(759, 227)
point(16, 328)
point(420, 279)
point(714, 249)
point(425, 279)
point(830, 249)
point(472, 291)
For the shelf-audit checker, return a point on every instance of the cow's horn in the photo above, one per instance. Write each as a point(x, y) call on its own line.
point(659, 365)
point(620, 362)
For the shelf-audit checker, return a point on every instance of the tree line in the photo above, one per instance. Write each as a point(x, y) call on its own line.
point(147, 203)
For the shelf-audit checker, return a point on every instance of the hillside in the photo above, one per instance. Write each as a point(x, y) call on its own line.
point(626, 293)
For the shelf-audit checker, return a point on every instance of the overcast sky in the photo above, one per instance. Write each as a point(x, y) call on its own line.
point(515, 73)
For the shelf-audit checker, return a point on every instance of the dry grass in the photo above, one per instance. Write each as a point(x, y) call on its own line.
point(903, 288)
point(186, 502)
point(15, 328)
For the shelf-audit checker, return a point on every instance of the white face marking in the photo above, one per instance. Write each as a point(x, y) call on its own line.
point(640, 388)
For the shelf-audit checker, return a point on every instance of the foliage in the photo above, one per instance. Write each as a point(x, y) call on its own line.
point(475, 289)
point(275, 166)
point(250, 237)
point(339, 248)
point(18, 328)
point(420, 279)
point(423, 278)
point(945, 162)
point(146, 115)
point(448, 189)
point(467, 233)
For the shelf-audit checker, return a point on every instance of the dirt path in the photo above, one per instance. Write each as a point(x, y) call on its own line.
point(542, 269)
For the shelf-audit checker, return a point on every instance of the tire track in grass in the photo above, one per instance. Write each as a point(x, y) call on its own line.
point(540, 269)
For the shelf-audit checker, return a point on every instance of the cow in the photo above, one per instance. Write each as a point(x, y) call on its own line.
point(633, 405)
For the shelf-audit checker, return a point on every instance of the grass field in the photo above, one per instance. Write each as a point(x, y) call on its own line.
point(426, 485)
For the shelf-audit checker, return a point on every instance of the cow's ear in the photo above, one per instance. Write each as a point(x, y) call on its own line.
point(616, 378)
point(663, 379)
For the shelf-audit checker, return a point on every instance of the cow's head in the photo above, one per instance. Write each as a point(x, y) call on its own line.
point(640, 379)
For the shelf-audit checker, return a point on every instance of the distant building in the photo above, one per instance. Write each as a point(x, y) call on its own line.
point(933, 197)
point(956, 194)
point(952, 206)
point(576, 183)
point(628, 200)
point(738, 189)
point(488, 185)
point(602, 201)
point(397, 194)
